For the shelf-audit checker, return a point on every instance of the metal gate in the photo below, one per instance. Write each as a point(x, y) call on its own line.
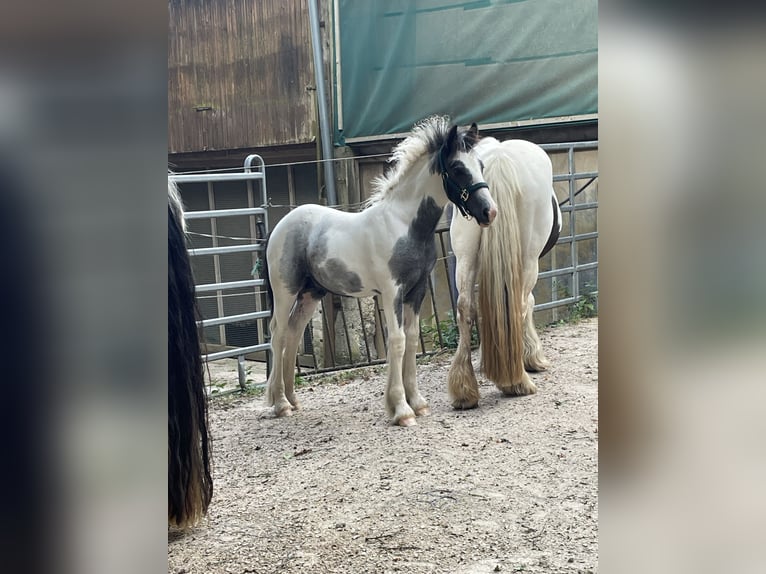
point(253, 174)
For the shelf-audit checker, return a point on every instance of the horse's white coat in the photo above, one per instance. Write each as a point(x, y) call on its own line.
point(387, 249)
point(522, 171)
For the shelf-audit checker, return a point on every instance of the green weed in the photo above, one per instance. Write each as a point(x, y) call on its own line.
point(450, 334)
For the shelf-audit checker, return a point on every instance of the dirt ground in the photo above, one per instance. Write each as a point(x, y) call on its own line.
point(508, 487)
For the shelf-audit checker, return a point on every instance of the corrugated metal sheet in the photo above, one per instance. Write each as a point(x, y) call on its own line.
point(238, 73)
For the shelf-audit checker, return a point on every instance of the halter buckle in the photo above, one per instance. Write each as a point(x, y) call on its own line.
point(464, 195)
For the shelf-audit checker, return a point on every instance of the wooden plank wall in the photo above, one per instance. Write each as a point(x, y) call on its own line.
point(250, 62)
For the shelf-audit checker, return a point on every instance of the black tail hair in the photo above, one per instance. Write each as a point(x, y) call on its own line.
point(265, 268)
point(190, 486)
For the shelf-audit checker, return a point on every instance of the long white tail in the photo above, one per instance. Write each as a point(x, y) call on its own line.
point(500, 290)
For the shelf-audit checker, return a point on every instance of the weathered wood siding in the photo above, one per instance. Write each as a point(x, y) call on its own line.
point(250, 63)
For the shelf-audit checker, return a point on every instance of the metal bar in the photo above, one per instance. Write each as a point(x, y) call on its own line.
point(554, 304)
point(310, 327)
point(338, 70)
point(382, 324)
point(560, 302)
point(215, 177)
point(420, 330)
point(324, 121)
point(329, 335)
point(578, 206)
point(234, 318)
point(207, 287)
point(227, 249)
point(581, 237)
point(214, 213)
point(241, 374)
point(572, 221)
point(253, 225)
point(236, 352)
point(325, 370)
point(216, 261)
point(450, 282)
point(364, 331)
point(346, 333)
point(592, 144)
point(567, 270)
point(264, 192)
point(569, 177)
point(436, 312)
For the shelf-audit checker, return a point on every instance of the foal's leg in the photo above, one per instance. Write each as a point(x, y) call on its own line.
point(534, 359)
point(409, 374)
point(461, 379)
point(299, 318)
point(275, 388)
point(396, 402)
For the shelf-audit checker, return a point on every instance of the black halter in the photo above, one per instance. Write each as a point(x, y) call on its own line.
point(456, 194)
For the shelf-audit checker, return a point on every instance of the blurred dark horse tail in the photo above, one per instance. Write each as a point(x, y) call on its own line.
point(265, 273)
point(190, 486)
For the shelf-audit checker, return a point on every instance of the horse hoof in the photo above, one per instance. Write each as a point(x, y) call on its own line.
point(283, 412)
point(519, 389)
point(464, 405)
point(407, 422)
point(536, 366)
point(423, 411)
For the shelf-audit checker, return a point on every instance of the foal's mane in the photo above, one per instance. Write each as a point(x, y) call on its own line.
point(427, 136)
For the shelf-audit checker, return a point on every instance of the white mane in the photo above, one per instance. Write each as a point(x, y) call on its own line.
point(426, 137)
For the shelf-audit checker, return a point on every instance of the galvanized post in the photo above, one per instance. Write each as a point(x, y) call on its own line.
point(324, 121)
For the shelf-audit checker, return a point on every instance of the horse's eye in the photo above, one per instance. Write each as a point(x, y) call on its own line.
point(459, 169)
point(481, 165)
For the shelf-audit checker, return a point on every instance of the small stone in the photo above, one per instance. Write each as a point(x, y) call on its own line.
point(497, 568)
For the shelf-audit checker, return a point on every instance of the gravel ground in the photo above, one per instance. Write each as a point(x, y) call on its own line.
point(508, 487)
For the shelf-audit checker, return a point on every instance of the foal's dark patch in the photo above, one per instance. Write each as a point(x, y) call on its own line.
point(293, 267)
point(339, 279)
point(414, 256)
point(325, 275)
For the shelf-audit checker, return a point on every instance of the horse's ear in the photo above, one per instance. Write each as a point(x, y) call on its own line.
point(451, 144)
point(472, 137)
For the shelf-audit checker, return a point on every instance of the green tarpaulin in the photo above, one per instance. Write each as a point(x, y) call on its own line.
point(491, 61)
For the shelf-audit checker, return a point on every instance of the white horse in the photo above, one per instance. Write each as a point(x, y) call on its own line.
point(387, 250)
point(504, 259)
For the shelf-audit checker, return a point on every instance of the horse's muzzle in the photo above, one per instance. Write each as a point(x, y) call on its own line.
point(488, 216)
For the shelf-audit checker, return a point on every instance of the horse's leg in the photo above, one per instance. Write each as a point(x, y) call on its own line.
point(275, 387)
point(396, 401)
point(534, 359)
point(409, 370)
point(299, 318)
point(461, 379)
